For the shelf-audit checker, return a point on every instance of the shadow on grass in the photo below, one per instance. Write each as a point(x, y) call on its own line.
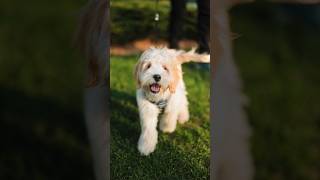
point(167, 162)
point(124, 117)
point(41, 139)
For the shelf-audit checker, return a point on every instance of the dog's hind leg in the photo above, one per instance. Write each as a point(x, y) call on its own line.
point(183, 115)
point(184, 112)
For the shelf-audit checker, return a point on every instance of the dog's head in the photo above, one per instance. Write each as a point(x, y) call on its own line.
point(159, 69)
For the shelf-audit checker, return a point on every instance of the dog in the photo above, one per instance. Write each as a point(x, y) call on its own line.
point(161, 92)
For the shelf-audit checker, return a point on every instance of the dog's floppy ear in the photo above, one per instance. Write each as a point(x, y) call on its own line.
point(137, 70)
point(175, 78)
point(185, 57)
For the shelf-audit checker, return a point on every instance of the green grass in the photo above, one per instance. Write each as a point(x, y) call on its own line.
point(183, 154)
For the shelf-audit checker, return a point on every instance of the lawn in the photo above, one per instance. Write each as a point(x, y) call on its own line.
point(183, 154)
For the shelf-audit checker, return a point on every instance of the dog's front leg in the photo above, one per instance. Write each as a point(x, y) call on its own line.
point(168, 121)
point(148, 121)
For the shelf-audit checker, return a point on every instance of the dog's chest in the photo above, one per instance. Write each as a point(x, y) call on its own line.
point(162, 104)
point(160, 101)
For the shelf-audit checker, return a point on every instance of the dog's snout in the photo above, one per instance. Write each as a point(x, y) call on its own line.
point(157, 77)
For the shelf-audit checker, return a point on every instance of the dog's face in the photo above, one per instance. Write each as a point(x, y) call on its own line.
point(157, 71)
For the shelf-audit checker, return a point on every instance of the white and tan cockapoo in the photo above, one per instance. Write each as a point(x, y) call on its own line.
point(161, 92)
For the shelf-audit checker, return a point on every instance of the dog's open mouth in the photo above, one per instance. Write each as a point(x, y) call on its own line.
point(155, 88)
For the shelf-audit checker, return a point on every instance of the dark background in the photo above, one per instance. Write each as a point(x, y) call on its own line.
point(278, 57)
point(42, 129)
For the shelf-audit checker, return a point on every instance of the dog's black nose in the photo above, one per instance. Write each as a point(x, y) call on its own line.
point(156, 77)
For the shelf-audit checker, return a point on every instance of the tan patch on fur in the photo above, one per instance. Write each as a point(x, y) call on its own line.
point(176, 75)
point(192, 56)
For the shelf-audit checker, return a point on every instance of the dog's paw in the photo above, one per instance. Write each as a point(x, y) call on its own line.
point(183, 117)
point(147, 143)
point(167, 127)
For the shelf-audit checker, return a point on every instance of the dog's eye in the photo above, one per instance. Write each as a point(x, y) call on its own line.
point(165, 68)
point(148, 66)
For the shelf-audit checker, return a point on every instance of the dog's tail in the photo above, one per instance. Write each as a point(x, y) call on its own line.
point(192, 56)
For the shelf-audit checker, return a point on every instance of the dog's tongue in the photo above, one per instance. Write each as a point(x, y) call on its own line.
point(155, 87)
